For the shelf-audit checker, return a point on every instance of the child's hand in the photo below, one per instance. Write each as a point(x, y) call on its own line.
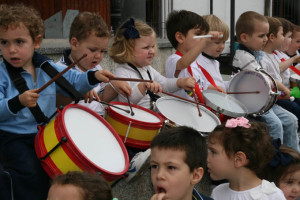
point(296, 59)
point(122, 87)
point(215, 35)
point(158, 196)
point(186, 83)
point(104, 75)
point(154, 87)
point(29, 98)
point(90, 95)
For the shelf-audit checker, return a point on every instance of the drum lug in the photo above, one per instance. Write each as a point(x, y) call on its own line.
point(63, 140)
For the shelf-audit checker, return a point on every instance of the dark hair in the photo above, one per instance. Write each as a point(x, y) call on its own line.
point(286, 25)
point(94, 186)
point(186, 139)
point(274, 25)
point(255, 142)
point(182, 21)
point(85, 24)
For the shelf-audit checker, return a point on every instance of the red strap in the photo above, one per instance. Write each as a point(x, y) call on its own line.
point(208, 77)
point(197, 87)
point(292, 67)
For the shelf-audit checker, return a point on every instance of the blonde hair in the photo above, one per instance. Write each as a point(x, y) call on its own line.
point(122, 49)
point(216, 24)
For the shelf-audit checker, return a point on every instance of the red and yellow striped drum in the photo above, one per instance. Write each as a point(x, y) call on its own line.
point(78, 139)
point(137, 130)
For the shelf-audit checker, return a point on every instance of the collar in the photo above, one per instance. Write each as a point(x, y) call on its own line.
point(244, 48)
point(196, 195)
point(208, 56)
point(66, 60)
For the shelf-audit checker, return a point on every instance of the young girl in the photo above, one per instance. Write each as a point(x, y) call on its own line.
point(238, 151)
point(134, 48)
point(284, 171)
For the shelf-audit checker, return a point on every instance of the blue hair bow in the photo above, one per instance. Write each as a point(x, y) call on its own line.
point(280, 158)
point(130, 31)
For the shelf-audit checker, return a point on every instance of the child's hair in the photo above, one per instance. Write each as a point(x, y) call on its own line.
point(255, 142)
point(85, 24)
point(287, 161)
point(182, 21)
point(94, 187)
point(15, 15)
point(274, 25)
point(296, 28)
point(122, 49)
point(216, 24)
point(185, 139)
point(246, 23)
point(286, 25)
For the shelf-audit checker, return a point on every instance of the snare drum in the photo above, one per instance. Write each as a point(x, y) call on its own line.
point(224, 104)
point(78, 139)
point(294, 80)
point(137, 130)
point(183, 113)
point(252, 81)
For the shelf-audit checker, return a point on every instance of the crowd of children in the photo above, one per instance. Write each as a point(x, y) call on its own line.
point(238, 151)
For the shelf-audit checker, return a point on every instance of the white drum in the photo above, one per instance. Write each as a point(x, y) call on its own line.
point(252, 81)
point(184, 113)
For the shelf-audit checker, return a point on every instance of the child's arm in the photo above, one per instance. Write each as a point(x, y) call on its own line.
point(284, 89)
point(29, 98)
point(111, 90)
point(186, 83)
point(286, 64)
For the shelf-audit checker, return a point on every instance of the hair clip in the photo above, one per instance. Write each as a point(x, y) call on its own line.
point(130, 31)
point(239, 121)
point(280, 158)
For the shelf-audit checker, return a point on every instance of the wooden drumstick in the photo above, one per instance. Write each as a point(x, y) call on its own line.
point(130, 79)
point(132, 113)
point(111, 105)
point(60, 74)
point(254, 92)
point(199, 113)
point(182, 98)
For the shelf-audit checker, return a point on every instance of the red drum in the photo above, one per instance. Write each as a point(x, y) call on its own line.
point(78, 139)
point(137, 130)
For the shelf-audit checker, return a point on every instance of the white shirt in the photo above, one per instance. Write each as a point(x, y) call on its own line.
point(285, 75)
point(271, 65)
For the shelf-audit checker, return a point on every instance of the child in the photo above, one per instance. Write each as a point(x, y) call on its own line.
point(284, 170)
point(79, 186)
point(182, 26)
point(178, 160)
point(295, 44)
point(22, 108)
point(89, 34)
point(251, 31)
point(238, 151)
point(272, 67)
point(134, 48)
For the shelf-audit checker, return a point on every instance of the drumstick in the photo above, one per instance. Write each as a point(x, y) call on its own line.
point(60, 74)
point(131, 79)
point(206, 36)
point(108, 104)
point(199, 113)
point(254, 92)
point(182, 98)
point(132, 113)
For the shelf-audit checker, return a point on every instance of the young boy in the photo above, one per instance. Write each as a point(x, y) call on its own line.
point(178, 161)
point(22, 107)
point(89, 34)
point(79, 186)
point(251, 31)
point(295, 44)
point(182, 26)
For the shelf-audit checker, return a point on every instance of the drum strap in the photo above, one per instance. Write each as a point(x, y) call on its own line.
point(292, 67)
point(197, 87)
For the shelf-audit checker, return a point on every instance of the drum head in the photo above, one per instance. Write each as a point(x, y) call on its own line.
point(224, 103)
point(94, 140)
point(246, 81)
point(184, 113)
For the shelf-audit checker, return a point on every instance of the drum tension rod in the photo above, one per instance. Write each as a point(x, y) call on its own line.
point(63, 140)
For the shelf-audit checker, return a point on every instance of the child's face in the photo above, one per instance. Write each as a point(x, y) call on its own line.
point(93, 46)
point(219, 165)
point(65, 192)
point(214, 48)
point(279, 39)
point(258, 39)
point(295, 44)
point(290, 185)
point(17, 45)
point(170, 174)
point(287, 41)
point(144, 50)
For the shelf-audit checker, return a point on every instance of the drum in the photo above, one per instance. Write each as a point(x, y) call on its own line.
point(294, 80)
point(183, 113)
point(252, 81)
point(137, 130)
point(78, 139)
point(224, 104)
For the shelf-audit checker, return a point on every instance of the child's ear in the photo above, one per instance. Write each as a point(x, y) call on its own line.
point(243, 37)
point(179, 37)
point(197, 175)
point(240, 159)
point(38, 41)
point(271, 37)
point(73, 43)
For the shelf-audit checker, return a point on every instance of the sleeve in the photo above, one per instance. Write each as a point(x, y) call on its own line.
point(170, 66)
point(168, 84)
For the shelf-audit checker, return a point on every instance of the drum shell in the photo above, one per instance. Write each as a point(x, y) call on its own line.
point(67, 157)
point(140, 133)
